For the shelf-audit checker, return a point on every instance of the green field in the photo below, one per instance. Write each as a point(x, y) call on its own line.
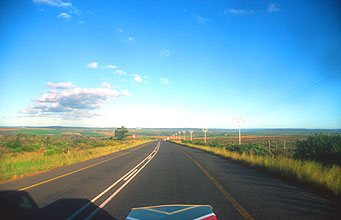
point(149, 132)
point(27, 153)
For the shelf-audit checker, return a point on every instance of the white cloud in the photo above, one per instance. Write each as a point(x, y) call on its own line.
point(76, 11)
point(106, 85)
point(64, 15)
point(71, 103)
point(128, 39)
point(138, 78)
point(81, 22)
point(119, 30)
point(125, 93)
point(109, 67)
point(164, 81)
point(273, 7)
point(62, 85)
point(120, 72)
point(55, 3)
point(165, 53)
point(92, 65)
point(232, 11)
point(202, 20)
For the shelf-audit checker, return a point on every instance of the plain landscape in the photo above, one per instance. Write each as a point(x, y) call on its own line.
point(201, 110)
point(308, 159)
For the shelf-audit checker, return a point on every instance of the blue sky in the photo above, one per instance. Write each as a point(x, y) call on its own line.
point(170, 63)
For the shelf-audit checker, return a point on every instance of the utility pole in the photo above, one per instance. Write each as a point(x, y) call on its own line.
point(184, 134)
point(179, 135)
point(239, 122)
point(191, 134)
point(205, 130)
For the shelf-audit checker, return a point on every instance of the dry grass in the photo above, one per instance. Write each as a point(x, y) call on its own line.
point(308, 173)
point(13, 166)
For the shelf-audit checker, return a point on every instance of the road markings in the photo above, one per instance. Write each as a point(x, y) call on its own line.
point(127, 177)
point(233, 201)
point(76, 171)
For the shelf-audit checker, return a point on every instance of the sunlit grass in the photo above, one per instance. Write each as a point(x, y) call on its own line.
point(308, 173)
point(18, 165)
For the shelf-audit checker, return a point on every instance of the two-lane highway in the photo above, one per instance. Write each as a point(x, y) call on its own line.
point(165, 173)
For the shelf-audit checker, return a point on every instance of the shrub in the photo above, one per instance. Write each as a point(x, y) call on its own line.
point(15, 144)
point(99, 144)
point(248, 149)
point(53, 150)
point(30, 147)
point(320, 147)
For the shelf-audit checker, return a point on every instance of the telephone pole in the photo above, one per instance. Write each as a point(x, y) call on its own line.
point(191, 134)
point(239, 122)
point(205, 130)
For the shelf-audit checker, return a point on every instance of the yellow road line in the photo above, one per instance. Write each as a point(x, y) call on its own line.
point(58, 177)
point(233, 201)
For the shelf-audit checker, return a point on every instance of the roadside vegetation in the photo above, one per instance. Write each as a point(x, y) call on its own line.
point(315, 162)
point(21, 155)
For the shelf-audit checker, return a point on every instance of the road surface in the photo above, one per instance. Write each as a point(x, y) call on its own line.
point(158, 173)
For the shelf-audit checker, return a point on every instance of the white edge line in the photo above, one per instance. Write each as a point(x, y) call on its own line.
point(118, 190)
point(110, 187)
point(125, 179)
point(126, 183)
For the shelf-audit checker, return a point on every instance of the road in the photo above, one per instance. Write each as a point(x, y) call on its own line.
point(157, 173)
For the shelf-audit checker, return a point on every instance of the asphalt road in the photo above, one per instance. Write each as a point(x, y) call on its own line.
point(153, 174)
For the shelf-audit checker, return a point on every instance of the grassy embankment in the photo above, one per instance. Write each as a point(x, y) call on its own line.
point(309, 173)
point(17, 165)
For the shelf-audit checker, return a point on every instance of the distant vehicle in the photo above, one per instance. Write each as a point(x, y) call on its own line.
point(172, 212)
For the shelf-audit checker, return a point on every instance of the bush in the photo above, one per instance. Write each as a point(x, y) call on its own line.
point(53, 150)
point(248, 149)
point(15, 144)
point(244, 148)
point(214, 143)
point(321, 148)
point(99, 144)
point(30, 148)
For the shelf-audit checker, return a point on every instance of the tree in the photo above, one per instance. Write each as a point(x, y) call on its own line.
point(121, 133)
point(325, 148)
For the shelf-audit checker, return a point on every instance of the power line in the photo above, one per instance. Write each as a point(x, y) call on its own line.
point(304, 90)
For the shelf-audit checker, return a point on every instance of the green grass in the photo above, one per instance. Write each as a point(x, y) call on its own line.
point(308, 173)
point(17, 165)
